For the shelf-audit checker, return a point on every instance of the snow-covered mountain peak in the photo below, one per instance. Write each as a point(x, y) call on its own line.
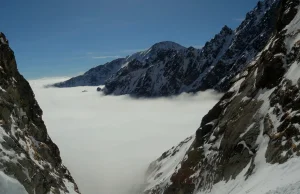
point(257, 13)
point(167, 68)
point(226, 30)
point(152, 52)
point(99, 74)
point(3, 39)
point(165, 45)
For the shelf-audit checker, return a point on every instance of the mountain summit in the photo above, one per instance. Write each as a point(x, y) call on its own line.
point(166, 45)
point(98, 75)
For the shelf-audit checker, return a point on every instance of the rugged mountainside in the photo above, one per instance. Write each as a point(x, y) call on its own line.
point(212, 67)
point(29, 161)
point(173, 69)
point(98, 75)
point(95, 76)
point(250, 141)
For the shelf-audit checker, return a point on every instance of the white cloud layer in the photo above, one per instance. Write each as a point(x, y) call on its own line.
point(107, 142)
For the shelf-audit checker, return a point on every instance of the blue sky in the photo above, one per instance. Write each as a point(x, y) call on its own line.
point(67, 37)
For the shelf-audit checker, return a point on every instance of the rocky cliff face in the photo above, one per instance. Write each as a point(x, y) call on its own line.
point(28, 157)
point(254, 128)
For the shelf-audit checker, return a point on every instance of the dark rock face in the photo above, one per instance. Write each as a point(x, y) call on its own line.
point(27, 152)
point(259, 114)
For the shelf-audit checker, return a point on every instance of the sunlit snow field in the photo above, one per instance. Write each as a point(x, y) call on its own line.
point(107, 142)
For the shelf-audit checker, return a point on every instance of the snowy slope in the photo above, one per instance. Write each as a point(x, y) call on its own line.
point(29, 161)
point(249, 143)
point(161, 170)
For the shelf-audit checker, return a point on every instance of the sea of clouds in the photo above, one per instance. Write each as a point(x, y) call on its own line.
point(107, 142)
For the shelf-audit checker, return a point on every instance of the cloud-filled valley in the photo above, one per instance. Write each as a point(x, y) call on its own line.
point(107, 142)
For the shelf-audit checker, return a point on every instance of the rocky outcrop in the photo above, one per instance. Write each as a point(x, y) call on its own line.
point(256, 122)
point(28, 155)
